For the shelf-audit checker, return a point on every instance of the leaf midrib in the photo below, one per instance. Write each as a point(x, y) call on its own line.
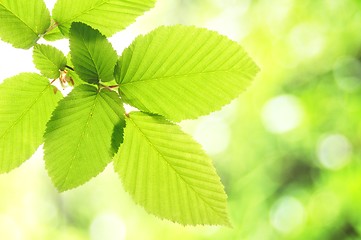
point(50, 60)
point(34, 31)
point(181, 76)
point(72, 19)
point(24, 112)
point(91, 56)
point(180, 176)
point(90, 116)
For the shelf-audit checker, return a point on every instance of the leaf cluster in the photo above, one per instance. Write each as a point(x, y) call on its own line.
point(170, 74)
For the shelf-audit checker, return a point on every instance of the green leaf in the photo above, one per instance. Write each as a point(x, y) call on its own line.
point(23, 22)
point(108, 16)
point(183, 72)
point(92, 55)
point(168, 173)
point(27, 101)
point(82, 136)
point(49, 60)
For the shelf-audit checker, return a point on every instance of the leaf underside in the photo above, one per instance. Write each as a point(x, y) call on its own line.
point(108, 16)
point(26, 103)
point(22, 22)
point(183, 72)
point(168, 173)
point(82, 136)
point(48, 60)
point(92, 55)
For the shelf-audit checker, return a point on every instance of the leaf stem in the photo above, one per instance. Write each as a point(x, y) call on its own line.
point(108, 87)
point(52, 27)
point(113, 86)
point(68, 67)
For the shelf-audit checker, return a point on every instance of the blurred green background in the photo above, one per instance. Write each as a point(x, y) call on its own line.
point(287, 150)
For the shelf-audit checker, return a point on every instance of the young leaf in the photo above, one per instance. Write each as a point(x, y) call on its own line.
point(108, 16)
point(27, 101)
point(48, 60)
point(168, 173)
point(92, 55)
point(82, 136)
point(183, 72)
point(22, 22)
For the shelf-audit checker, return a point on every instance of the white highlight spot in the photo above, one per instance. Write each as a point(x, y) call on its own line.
point(282, 114)
point(287, 214)
point(9, 229)
point(229, 21)
point(107, 226)
point(307, 40)
point(334, 151)
point(213, 134)
point(128, 108)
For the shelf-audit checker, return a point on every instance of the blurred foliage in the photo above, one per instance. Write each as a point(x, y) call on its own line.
point(287, 150)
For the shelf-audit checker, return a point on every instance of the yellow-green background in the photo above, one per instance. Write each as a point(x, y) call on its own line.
point(288, 150)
